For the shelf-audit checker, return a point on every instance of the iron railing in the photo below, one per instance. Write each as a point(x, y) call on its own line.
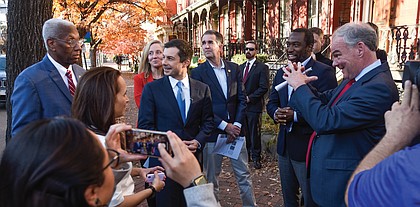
point(404, 44)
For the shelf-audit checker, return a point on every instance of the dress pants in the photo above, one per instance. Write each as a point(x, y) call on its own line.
point(172, 195)
point(292, 175)
point(253, 134)
point(213, 167)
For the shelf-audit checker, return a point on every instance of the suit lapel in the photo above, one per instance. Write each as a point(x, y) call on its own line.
point(212, 76)
point(251, 71)
point(194, 97)
point(57, 79)
point(366, 77)
point(228, 72)
point(78, 73)
point(310, 64)
point(284, 94)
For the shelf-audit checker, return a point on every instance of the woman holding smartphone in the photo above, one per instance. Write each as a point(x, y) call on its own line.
point(101, 98)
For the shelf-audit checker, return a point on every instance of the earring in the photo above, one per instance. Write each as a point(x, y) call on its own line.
point(97, 202)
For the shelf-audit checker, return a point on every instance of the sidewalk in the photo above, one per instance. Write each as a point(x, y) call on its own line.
point(124, 67)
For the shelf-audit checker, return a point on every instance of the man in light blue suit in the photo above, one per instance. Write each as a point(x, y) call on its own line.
point(45, 89)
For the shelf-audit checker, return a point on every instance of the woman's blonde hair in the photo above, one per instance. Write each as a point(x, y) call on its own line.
point(145, 66)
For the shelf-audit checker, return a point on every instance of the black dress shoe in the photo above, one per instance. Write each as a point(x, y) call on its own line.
point(249, 158)
point(257, 164)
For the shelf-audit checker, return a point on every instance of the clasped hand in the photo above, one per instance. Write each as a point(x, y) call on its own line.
point(284, 115)
point(232, 132)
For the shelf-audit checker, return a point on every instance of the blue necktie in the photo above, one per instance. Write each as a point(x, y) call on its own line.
point(181, 100)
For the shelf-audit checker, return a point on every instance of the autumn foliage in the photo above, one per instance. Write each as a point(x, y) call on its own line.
point(115, 25)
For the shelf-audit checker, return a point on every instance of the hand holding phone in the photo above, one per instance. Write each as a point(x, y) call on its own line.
point(151, 177)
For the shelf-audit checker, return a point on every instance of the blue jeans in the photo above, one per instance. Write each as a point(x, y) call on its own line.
point(292, 176)
point(213, 166)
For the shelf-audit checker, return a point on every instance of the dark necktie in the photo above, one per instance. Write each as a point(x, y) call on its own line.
point(72, 87)
point(311, 139)
point(181, 100)
point(246, 72)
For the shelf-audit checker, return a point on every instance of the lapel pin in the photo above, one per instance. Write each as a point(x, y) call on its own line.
point(228, 71)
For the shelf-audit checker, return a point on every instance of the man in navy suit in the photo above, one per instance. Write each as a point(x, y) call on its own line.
point(348, 120)
point(42, 90)
point(224, 79)
point(255, 79)
point(294, 132)
point(179, 104)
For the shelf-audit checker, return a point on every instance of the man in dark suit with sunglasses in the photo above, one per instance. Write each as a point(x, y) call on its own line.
point(255, 80)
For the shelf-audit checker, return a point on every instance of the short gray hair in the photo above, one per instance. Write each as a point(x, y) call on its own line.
point(53, 28)
point(352, 33)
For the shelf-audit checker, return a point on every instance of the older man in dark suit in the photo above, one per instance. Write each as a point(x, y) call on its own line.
point(179, 104)
point(225, 81)
point(255, 79)
point(46, 89)
point(348, 120)
point(294, 132)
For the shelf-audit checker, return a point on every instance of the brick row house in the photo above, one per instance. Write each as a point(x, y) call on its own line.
point(270, 22)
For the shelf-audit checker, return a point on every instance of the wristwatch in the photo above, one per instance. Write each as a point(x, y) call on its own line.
point(151, 187)
point(200, 180)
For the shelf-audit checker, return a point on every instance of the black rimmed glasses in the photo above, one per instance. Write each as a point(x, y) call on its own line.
point(249, 48)
point(114, 158)
point(72, 42)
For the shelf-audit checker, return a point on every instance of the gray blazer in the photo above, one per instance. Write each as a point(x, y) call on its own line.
point(201, 196)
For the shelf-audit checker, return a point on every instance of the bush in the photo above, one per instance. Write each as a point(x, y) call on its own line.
point(263, 57)
point(238, 59)
point(268, 125)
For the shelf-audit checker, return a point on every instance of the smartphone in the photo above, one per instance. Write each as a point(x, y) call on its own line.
point(146, 142)
point(151, 177)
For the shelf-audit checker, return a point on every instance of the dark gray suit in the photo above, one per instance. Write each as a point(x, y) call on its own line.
point(256, 86)
point(40, 92)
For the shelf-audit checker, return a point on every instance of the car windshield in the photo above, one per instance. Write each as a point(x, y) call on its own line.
point(2, 63)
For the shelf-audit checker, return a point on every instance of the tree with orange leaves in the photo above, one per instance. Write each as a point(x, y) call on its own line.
point(115, 24)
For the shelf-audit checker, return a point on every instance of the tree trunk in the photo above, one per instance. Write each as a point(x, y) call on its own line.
point(93, 57)
point(25, 45)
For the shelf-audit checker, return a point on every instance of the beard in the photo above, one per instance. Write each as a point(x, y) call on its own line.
point(248, 55)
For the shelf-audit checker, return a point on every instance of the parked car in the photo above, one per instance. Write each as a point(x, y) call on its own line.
point(2, 79)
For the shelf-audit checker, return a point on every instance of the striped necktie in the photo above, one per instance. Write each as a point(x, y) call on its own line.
point(72, 87)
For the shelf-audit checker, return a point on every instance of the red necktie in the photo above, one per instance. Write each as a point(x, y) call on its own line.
point(311, 139)
point(246, 72)
point(72, 87)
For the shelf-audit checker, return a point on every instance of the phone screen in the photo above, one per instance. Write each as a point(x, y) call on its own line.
point(146, 142)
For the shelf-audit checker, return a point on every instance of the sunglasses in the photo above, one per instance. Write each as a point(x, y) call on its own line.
point(250, 49)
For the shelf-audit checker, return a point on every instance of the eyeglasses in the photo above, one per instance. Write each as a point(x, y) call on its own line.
point(72, 42)
point(114, 158)
point(250, 49)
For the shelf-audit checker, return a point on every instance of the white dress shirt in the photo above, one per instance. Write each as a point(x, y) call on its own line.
point(251, 62)
point(62, 70)
point(221, 77)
